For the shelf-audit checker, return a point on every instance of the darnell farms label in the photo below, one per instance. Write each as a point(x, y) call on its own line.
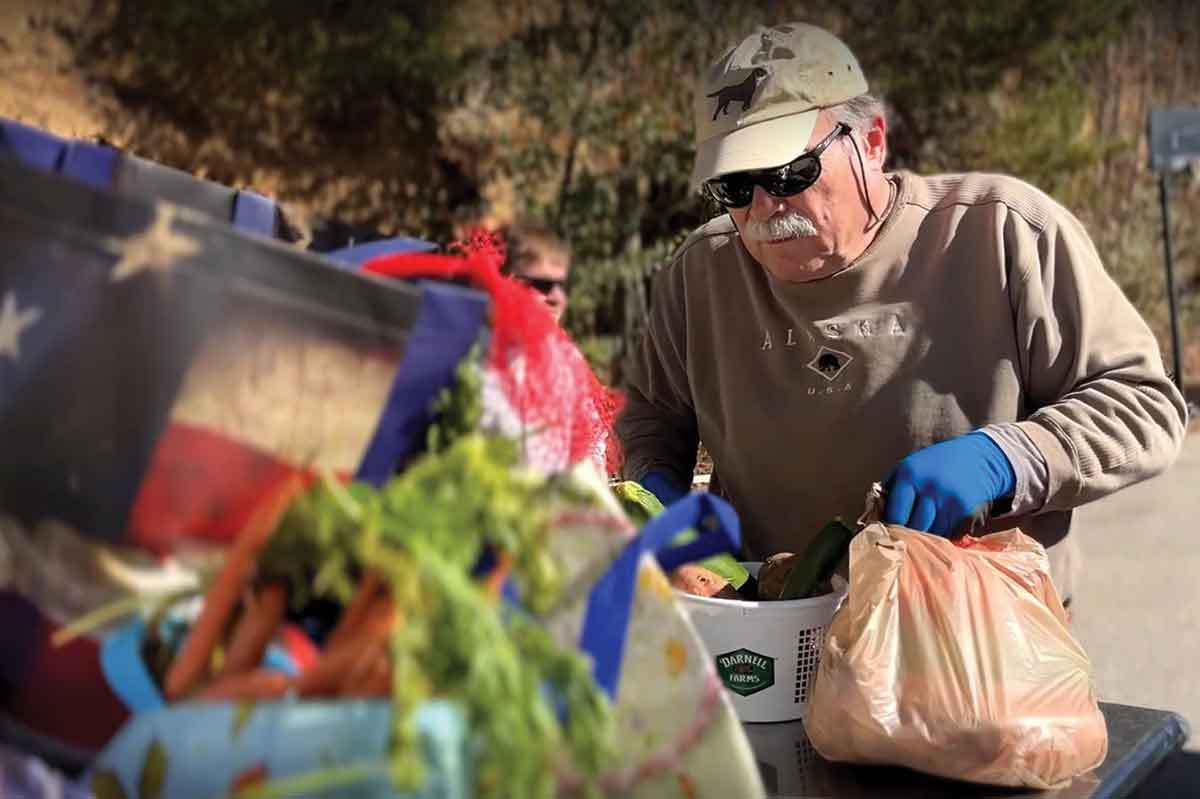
point(746, 672)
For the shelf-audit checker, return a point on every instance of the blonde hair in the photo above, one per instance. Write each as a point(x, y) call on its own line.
point(528, 242)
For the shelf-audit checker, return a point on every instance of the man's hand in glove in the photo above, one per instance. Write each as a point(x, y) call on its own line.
point(662, 486)
point(937, 488)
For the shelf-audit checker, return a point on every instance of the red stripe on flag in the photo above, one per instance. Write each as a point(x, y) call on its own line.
point(202, 485)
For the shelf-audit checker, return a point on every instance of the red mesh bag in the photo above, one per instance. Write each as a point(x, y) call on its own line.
point(546, 382)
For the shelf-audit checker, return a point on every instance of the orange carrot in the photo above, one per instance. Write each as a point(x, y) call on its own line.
point(222, 595)
point(354, 613)
point(324, 678)
point(378, 622)
point(379, 682)
point(255, 629)
point(257, 684)
point(494, 583)
point(375, 680)
point(357, 677)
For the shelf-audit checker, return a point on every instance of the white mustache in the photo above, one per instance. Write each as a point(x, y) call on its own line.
point(791, 225)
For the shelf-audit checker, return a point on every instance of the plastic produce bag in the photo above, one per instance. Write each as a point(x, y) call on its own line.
point(954, 658)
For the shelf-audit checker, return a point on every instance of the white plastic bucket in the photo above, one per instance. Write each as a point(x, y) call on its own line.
point(766, 653)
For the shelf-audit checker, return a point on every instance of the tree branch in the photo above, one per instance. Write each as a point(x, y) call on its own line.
point(585, 76)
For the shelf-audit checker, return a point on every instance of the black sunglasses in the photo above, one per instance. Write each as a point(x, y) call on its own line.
point(736, 189)
point(542, 285)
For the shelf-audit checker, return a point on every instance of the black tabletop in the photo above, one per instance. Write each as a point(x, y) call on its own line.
point(1138, 740)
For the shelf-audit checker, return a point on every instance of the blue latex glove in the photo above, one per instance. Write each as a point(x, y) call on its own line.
point(662, 486)
point(937, 488)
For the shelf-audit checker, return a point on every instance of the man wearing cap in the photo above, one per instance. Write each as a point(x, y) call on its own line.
point(955, 336)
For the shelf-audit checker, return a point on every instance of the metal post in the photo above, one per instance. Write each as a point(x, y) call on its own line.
point(1177, 355)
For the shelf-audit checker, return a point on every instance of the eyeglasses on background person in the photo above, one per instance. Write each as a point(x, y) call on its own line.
point(542, 285)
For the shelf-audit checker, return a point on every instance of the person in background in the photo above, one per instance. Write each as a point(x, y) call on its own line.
point(539, 258)
point(955, 337)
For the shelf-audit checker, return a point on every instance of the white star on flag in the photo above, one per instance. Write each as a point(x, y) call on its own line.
point(154, 249)
point(13, 322)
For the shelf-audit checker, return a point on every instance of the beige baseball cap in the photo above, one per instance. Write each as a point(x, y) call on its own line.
point(757, 105)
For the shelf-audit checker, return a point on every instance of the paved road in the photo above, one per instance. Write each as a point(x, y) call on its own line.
point(1139, 602)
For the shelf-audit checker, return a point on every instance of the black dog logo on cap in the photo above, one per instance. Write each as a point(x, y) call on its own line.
point(739, 92)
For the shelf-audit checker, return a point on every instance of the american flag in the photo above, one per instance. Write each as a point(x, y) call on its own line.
point(160, 372)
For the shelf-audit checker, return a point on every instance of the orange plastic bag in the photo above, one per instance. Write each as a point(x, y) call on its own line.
point(954, 658)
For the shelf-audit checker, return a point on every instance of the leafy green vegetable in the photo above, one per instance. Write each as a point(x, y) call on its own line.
point(459, 406)
point(641, 506)
point(424, 532)
point(639, 503)
point(723, 564)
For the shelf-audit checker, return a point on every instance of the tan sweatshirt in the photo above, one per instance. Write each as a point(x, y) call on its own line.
point(980, 302)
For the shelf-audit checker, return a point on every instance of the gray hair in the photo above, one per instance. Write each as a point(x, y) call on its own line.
point(857, 112)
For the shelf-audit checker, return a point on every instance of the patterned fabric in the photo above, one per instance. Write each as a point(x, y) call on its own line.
point(678, 731)
point(159, 374)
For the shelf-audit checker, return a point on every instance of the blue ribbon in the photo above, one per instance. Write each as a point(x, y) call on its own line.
point(125, 670)
point(130, 680)
point(33, 147)
point(93, 164)
point(254, 213)
point(356, 256)
point(606, 618)
point(448, 324)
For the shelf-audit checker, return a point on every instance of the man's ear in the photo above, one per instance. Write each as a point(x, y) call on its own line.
point(875, 142)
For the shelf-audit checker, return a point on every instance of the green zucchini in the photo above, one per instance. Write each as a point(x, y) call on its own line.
point(819, 561)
